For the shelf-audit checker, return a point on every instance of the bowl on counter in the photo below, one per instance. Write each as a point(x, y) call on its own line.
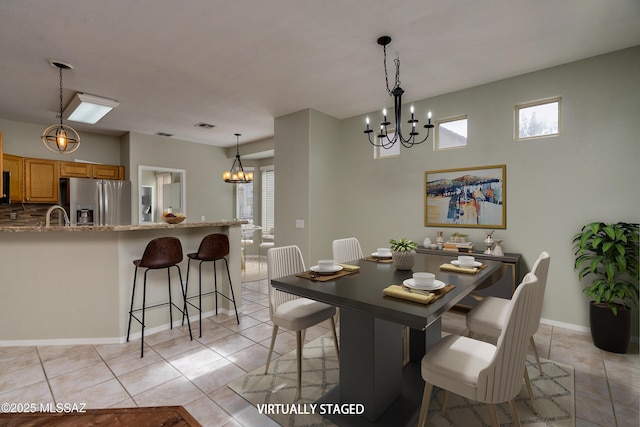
point(173, 219)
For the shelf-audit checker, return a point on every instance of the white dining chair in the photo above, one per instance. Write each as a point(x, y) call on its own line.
point(488, 316)
point(291, 311)
point(345, 250)
point(479, 370)
point(266, 244)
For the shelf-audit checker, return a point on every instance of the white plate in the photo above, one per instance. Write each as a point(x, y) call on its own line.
point(475, 264)
point(375, 254)
point(316, 269)
point(437, 284)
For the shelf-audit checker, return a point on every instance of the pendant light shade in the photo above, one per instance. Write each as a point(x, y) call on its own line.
point(237, 175)
point(61, 138)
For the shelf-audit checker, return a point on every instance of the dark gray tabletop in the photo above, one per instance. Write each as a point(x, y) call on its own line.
point(362, 291)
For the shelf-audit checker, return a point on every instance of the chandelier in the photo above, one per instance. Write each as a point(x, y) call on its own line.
point(237, 175)
point(61, 138)
point(387, 138)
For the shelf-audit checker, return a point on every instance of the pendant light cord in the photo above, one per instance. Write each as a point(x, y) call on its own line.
point(60, 96)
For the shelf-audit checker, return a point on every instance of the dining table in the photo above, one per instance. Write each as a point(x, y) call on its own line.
point(379, 370)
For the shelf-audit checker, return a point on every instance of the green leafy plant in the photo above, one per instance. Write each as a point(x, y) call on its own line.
point(403, 245)
point(608, 254)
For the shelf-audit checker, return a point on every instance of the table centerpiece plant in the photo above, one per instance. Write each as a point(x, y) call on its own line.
point(607, 255)
point(403, 253)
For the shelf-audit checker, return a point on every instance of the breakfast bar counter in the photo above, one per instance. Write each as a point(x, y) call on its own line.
point(72, 284)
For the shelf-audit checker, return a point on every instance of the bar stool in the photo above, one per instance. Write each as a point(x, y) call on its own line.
point(163, 252)
point(213, 247)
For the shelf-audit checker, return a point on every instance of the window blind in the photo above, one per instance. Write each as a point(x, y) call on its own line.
point(244, 200)
point(268, 198)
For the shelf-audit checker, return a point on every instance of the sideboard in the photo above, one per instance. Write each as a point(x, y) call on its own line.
point(504, 288)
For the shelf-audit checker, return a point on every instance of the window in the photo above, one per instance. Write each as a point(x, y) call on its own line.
point(451, 133)
point(538, 119)
point(268, 198)
point(393, 151)
point(244, 200)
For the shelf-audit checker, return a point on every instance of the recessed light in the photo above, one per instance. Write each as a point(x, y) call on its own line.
point(163, 134)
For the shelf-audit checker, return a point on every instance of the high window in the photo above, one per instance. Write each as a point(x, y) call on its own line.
point(537, 119)
point(451, 133)
point(381, 153)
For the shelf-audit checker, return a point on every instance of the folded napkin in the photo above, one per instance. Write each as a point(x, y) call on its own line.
point(348, 267)
point(420, 296)
point(404, 293)
point(458, 269)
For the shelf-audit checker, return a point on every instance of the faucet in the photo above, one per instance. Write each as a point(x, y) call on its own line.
point(53, 208)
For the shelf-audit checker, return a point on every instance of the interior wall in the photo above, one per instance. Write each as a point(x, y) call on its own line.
point(206, 193)
point(554, 185)
point(323, 184)
point(291, 162)
point(23, 139)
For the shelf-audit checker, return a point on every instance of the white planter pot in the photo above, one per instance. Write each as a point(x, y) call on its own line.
point(404, 260)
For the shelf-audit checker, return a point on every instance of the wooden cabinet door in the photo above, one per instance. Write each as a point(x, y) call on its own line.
point(90, 170)
point(14, 165)
point(75, 170)
point(41, 179)
point(106, 172)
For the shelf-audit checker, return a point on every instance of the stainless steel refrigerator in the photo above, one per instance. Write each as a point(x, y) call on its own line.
point(96, 201)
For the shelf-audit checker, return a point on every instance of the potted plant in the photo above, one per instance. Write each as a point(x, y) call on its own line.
point(403, 253)
point(607, 255)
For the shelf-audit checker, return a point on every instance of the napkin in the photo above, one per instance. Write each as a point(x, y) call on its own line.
point(400, 292)
point(457, 269)
point(348, 267)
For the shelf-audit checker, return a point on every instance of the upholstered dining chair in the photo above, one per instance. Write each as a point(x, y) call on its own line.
point(479, 370)
point(345, 250)
point(267, 243)
point(488, 316)
point(291, 311)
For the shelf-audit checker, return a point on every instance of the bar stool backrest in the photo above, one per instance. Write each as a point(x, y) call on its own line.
point(162, 252)
point(212, 247)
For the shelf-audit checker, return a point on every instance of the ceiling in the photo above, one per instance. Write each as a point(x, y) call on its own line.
point(239, 64)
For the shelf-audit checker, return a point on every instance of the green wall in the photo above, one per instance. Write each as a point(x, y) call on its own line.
point(554, 185)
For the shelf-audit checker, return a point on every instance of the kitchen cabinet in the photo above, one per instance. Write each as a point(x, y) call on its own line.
point(90, 170)
point(41, 180)
point(15, 166)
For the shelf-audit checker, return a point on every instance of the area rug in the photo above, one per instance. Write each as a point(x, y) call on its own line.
point(275, 392)
point(175, 416)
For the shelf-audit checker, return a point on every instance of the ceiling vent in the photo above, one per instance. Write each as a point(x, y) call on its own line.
point(204, 125)
point(164, 134)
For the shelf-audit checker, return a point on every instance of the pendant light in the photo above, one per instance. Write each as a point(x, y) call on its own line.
point(237, 175)
point(387, 138)
point(61, 138)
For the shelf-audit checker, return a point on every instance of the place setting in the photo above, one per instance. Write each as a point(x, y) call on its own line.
point(328, 269)
point(422, 287)
point(464, 264)
point(381, 255)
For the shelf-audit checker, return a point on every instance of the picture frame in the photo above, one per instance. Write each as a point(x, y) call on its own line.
point(472, 197)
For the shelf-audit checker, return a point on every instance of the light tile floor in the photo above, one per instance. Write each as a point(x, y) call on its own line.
point(194, 374)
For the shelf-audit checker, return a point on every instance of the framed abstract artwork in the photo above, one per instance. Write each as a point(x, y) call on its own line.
point(472, 197)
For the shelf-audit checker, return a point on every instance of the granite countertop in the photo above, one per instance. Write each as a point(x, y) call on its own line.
point(132, 227)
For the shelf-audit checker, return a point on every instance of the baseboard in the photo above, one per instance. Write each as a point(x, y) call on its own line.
point(107, 340)
point(573, 327)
